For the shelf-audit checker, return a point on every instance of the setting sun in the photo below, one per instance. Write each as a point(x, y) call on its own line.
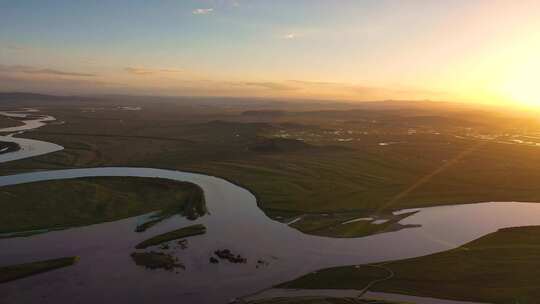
point(523, 86)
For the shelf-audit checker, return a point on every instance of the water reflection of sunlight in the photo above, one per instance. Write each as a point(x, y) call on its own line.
point(432, 237)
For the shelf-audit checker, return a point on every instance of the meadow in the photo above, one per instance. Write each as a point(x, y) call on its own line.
point(320, 165)
point(497, 268)
point(86, 201)
point(319, 170)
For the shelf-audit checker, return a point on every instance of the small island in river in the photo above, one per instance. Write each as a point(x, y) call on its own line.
point(91, 200)
point(15, 272)
point(7, 147)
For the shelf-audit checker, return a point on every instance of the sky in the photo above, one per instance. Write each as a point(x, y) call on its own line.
point(482, 51)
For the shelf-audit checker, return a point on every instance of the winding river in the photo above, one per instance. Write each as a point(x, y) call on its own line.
point(235, 222)
point(28, 147)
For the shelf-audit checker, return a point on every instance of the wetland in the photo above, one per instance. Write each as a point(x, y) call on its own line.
point(313, 200)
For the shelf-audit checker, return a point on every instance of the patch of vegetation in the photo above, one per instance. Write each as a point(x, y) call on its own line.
point(27, 233)
point(85, 201)
point(15, 272)
point(173, 235)
point(7, 147)
point(351, 224)
point(153, 220)
point(501, 267)
point(346, 226)
point(156, 260)
point(348, 277)
point(226, 254)
point(275, 145)
point(192, 207)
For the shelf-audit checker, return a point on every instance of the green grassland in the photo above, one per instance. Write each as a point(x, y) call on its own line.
point(85, 201)
point(318, 176)
point(341, 225)
point(15, 272)
point(501, 267)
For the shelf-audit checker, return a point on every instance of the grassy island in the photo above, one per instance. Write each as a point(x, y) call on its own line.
point(85, 201)
point(156, 260)
point(7, 147)
point(173, 235)
point(501, 267)
point(15, 272)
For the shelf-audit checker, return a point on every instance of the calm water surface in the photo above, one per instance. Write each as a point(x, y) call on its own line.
point(235, 222)
point(29, 147)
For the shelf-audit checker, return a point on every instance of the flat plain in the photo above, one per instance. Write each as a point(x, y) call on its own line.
point(333, 170)
point(319, 164)
point(498, 268)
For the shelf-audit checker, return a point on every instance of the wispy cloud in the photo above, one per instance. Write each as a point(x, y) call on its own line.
point(202, 11)
point(33, 70)
point(276, 86)
point(147, 71)
point(315, 83)
point(290, 36)
point(59, 73)
point(56, 85)
point(170, 71)
point(15, 48)
point(343, 90)
point(138, 71)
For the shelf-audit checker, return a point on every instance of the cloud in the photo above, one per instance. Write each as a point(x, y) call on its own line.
point(56, 85)
point(316, 83)
point(170, 71)
point(33, 70)
point(146, 71)
point(344, 90)
point(202, 11)
point(395, 92)
point(139, 71)
point(58, 73)
point(289, 36)
point(275, 86)
point(15, 48)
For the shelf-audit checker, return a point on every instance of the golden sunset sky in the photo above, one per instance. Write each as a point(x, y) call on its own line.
point(467, 51)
